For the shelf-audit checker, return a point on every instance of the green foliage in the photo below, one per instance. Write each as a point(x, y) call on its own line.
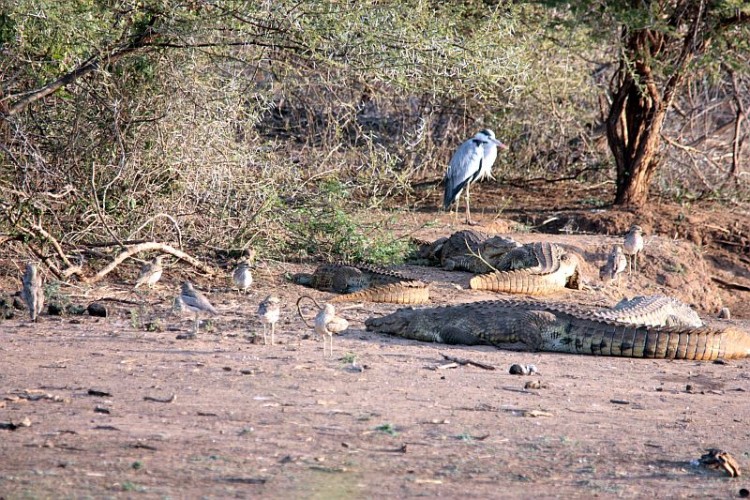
point(387, 428)
point(328, 229)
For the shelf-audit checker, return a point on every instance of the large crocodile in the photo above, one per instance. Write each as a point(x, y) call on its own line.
point(561, 328)
point(365, 282)
point(467, 250)
point(533, 269)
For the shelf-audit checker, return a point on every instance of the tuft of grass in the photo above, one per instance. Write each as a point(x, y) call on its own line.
point(387, 428)
point(348, 358)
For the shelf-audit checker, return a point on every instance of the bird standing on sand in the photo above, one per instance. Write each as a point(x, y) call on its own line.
point(633, 245)
point(194, 301)
point(616, 265)
point(327, 323)
point(472, 161)
point(33, 290)
point(269, 311)
point(242, 276)
point(150, 273)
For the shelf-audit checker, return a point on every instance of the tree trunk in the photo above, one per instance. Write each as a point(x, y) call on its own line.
point(635, 120)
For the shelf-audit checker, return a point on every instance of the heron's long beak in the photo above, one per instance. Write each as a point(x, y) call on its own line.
point(500, 144)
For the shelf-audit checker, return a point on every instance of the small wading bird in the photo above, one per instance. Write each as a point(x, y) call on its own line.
point(616, 265)
point(242, 276)
point(150, 273)
point(472, 161)
point(632, 246)
point(191, 300)
point(269, 311)
point(33, 290)
point(327, 323)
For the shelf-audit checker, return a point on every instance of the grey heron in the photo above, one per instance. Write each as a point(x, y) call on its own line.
point(472, 161)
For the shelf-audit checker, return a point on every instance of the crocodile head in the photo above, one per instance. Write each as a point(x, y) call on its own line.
point(497, 246)
point(393, 323)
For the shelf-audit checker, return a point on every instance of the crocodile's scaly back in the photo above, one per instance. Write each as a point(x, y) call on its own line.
point(554, 270)
point(652, 310)
point(347, 278)
point(657, 310)
point(365, 282)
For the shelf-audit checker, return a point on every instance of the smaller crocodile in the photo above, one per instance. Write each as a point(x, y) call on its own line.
point(562, 328)
point(365, 282)
point(467, 250)
point(533, 269)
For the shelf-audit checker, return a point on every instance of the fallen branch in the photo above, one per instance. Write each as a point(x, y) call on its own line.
point(463, 361)
point(145, 247)
point(729, 284)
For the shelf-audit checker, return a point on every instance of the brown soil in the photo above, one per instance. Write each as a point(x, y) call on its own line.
point(283, 421)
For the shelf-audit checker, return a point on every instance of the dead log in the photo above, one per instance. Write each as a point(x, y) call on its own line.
point(146, 247)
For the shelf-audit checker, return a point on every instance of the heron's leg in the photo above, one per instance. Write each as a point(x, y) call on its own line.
point(468, 210)
point(195, 327)
point(273, 329)
point(635, 262)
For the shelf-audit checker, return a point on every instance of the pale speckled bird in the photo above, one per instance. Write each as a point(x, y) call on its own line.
point(33, 290)
point(616, 265)
point(150, 273)
point(242, 276)
point(269, 312)
point(633, 245)
point(327, 324)
point(195, 302)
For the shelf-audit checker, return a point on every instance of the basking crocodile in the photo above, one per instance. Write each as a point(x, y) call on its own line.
point(365, 282)
point(560, 328)
point(467, 250)
point(533, 269)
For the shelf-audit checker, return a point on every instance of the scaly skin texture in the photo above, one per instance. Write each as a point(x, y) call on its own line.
point(403, 292)
point(554, 271)
point(540, 327)
point(459, 251)
point(365, 282)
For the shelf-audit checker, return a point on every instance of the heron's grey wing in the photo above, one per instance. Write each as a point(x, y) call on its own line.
point(490, 155)
point(463, 168)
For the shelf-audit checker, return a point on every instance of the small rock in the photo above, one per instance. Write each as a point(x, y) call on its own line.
point(744, 493)
point(55, 309)
point(97, 309)
point(517, 369)
point(725, 313)
point(721, 460)
point(534, 384)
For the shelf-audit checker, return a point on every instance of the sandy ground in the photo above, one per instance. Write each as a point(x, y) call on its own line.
point(118, 407)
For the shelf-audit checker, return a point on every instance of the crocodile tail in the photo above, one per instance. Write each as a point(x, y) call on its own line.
point(700, 344)
point(408, 292)
point(520, 281)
